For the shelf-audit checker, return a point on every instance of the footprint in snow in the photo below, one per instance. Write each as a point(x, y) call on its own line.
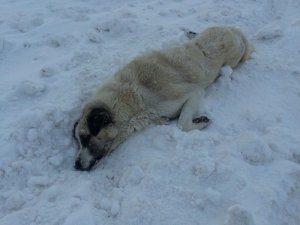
point(238, 216)
point(23, 25)
point(47, 71)
point(254, 150)
point(32, 88)
point(110, 205)
point(269, 33)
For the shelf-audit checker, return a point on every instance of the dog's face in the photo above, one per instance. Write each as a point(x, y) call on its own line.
point(95, 132)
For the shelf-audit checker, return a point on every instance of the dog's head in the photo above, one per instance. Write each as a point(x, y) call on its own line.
point(95, 132)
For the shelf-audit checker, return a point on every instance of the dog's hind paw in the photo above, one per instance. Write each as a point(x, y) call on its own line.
point(191, 34)
point(162, 120)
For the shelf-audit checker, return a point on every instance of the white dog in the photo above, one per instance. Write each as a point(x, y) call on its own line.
point(154, 88)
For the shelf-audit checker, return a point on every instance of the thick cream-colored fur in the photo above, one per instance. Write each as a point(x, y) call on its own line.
point(169, 83)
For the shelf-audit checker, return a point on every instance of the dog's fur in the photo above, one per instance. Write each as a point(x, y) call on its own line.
point(156, 87)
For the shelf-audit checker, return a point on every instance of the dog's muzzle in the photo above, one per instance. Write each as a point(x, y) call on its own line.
point(79, 165)
point(86, 166)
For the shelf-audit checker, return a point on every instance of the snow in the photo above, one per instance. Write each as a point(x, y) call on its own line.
point(238, 216)
point(242, 169)
point(226, 71)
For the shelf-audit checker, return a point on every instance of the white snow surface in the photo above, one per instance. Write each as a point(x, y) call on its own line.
point(244, 169)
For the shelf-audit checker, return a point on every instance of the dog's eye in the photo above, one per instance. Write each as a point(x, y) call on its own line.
point(84, 139)
point(95, 122)
point(105, 122)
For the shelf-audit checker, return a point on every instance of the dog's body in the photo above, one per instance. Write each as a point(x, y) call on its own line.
point(156, 87)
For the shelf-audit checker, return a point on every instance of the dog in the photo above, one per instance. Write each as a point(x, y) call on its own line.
point(154, 88)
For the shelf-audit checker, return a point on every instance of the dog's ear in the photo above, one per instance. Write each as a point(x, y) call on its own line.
point(97, 119)
point(74, 129)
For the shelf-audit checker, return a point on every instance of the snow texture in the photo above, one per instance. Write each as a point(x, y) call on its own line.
point(244, 169)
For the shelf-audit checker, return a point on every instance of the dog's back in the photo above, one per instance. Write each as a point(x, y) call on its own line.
point(172, 74)
point(166, 79)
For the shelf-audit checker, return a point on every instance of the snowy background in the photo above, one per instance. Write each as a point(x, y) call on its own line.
point(244, 169)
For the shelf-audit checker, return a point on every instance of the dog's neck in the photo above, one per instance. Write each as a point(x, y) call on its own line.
point(123, 101)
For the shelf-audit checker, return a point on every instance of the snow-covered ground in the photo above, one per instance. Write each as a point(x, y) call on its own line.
point(244, 169)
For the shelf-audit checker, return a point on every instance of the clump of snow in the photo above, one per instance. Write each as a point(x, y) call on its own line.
point(39, 181)
point(32, 134)
point(132, 176)
point(254, 150)
point(237, 216)
point(213, 196)
point(80, 216)
point(242, 169)
point(204, 167)
point(115, 208)
point(25, 24)
point(31, 88)
point(14, 201)
point(47, 71)
point(226, 71)
point(269, 33)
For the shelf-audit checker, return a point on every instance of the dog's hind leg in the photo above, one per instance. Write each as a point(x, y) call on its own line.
point(186, 121)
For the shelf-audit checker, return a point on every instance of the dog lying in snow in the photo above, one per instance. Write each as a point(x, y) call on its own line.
point(154, 88)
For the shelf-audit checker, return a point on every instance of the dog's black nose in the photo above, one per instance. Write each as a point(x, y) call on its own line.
point(78, 165)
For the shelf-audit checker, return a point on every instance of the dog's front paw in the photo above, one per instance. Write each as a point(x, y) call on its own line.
point(191, 34)
point(201, 122)
point(194, 124)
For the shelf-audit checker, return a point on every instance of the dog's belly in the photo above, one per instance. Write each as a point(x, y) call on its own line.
point(167, 108)
point(170, 109)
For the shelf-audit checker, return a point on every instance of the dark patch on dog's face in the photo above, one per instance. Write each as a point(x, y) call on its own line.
point(85, 140)
point(97, 119)
point(95, 132)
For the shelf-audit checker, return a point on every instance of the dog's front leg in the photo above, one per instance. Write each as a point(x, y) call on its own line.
point(146, 118)
point(136, 123)
point(187, 121)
